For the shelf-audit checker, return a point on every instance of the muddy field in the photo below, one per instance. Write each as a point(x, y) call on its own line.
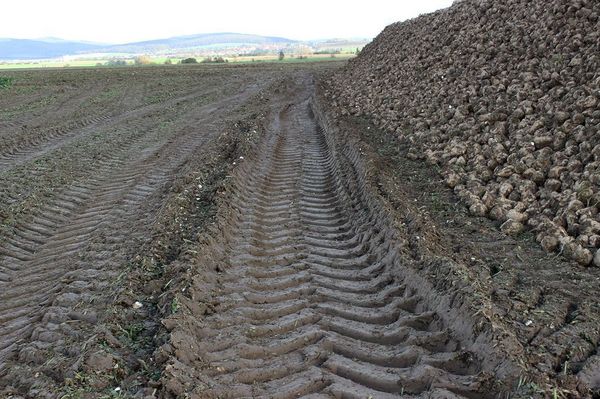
point(222, 232)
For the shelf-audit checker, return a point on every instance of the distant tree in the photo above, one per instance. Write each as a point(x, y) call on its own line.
point(142, 60)
point(116, 62)
point(168, 61)
point(328, 51)
point(281, 55)
point(357, 51)
point(189, 61)
point(214, 60)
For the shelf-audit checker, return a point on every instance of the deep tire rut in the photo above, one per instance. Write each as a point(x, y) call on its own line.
point(311, 305)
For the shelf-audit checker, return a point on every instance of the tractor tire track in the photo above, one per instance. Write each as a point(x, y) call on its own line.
point(12, 153)
point(70, 246)
point(311, 303)
point(48, 141)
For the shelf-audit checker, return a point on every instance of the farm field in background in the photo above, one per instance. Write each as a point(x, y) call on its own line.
point(89, 63)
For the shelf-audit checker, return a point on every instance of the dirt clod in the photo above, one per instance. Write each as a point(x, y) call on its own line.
point(100, 362)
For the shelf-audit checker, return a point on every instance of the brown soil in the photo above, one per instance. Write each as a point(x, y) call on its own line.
point(77, 204)
point(305, 290)
point(242, 239)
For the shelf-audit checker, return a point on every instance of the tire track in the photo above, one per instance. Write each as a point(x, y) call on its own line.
point(311, 304)
point(43, 144)
point(70, 247)
point(12, 153)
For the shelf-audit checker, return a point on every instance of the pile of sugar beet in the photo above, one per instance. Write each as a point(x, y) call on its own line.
point(504, 96)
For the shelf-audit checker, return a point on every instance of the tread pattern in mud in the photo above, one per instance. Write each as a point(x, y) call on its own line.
point(67, 249)
point(310, 304)
point(46, 141)
point(18, 153)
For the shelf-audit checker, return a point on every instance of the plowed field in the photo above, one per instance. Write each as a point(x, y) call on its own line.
point(219, 232)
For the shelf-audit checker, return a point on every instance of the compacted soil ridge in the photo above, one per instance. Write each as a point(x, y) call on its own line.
point(45, 142)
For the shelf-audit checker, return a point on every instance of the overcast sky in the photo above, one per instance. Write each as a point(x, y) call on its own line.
point(119, 21)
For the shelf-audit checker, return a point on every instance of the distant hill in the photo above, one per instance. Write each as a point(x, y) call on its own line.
point(196, 41)
point(24, 49)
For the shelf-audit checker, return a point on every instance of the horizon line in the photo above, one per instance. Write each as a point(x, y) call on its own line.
point(91, 42)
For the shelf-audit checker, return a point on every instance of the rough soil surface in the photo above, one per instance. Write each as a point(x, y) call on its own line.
point(244, 238)
point(504, 97)
point(78, 199)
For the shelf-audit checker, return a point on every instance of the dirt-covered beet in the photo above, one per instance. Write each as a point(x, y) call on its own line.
point(504, 96)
